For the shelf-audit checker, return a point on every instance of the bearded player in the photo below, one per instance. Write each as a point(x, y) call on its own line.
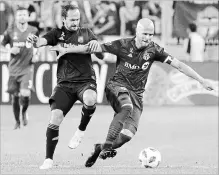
point(76, 79)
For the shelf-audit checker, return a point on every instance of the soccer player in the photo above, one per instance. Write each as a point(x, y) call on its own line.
point(125, 89)
point(75, 79)
point(20, 65)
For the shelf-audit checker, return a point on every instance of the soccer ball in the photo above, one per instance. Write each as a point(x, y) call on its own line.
point(150, 157)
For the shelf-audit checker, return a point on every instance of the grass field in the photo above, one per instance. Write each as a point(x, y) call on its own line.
point(187, 138)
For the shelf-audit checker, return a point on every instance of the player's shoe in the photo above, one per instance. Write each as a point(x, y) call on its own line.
point(107, 153)
point(94, 155)
point(17, 125)
point(25, 119)
point(76, 139)
point(47, 164)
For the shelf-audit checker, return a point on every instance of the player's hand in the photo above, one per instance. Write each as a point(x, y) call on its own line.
point(208, 85)
point(32, 38)
point(15, 50)
point(60, 49)
point(92, 46)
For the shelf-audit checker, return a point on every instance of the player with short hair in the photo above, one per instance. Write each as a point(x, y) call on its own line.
point(124, 90)
point(20, 66)
point(76, 79)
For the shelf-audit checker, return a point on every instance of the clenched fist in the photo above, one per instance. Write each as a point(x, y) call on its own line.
point(32, 38)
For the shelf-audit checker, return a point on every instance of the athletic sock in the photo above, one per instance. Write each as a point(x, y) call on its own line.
point(87, 112)
point(116, 126)
point(120, 140)
point(24, 104)
point(16, 108)
point(52, 135)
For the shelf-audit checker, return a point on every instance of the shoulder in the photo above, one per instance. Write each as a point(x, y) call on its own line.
point(125, 41)
point(56, 31)
point(84, 30)
point(9, 31)
point(156, 46)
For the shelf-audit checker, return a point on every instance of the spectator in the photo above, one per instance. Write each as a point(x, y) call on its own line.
point(152, 10)
point(33, 9)
point(7, 17)
point(56, 14)
point(105, 20)
point(129, 15)
point(196, 44)
point(46, 20)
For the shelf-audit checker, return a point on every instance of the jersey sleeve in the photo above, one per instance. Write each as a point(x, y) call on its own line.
point(51, 37)
point(161, 55)
point(91, 35)
point(111, 47)
point(6, 38)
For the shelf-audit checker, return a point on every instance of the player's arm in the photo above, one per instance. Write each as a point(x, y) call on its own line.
point(187, 70)
point(164, 57)
point(49, 38)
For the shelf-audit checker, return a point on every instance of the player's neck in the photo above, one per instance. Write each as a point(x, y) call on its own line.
point(137, 44)
point(22, 27)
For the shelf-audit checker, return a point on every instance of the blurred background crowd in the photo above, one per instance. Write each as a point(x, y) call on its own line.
point(104, 17)
point(114, 19)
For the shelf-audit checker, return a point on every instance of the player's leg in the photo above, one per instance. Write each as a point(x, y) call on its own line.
point(26, 85)
point(88, 96)
point(124, 109)
point(16, 109)
point(60, 103)
point(95, 154)
point(13, 89)
point(24, 101)
point(129, 128)
point(117, 97)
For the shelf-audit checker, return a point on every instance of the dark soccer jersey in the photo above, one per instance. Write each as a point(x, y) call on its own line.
point(72, 67)
point(133, 64)
point(20, 63)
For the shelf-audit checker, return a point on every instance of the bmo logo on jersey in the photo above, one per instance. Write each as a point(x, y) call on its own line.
point(134, 66)
point(131, 66)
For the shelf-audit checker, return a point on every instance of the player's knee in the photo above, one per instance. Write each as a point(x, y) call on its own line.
point(126, 103)
point(24, 100)
point(25, 92)
point(57, 117)
point(90, 97)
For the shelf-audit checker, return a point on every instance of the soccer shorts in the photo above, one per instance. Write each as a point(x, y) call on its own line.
point(112, 92)
point(15, 83)
point(64, 98)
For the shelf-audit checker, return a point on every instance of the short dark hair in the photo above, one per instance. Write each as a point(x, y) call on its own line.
point(193, 27)
point(21, 8)
point(66, 8)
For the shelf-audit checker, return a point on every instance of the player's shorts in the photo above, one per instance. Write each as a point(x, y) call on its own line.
point(112, 92)
point(16, 83)
point(64, 98)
